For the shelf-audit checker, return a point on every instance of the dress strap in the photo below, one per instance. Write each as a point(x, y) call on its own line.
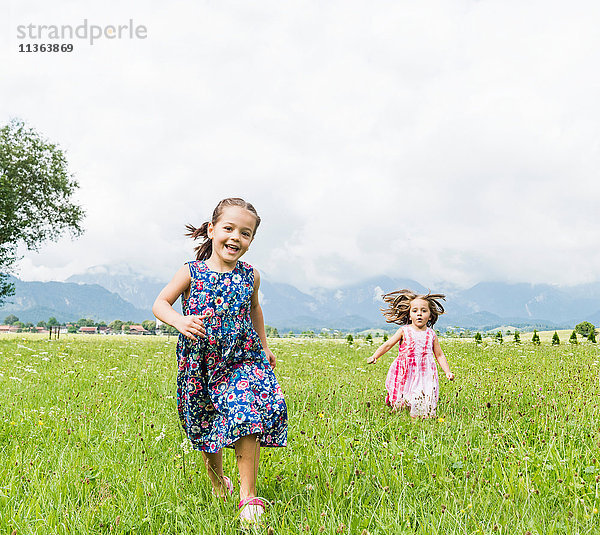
point(195, 267)
point(247, 271)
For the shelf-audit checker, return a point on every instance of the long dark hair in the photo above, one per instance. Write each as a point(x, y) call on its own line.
point(399, 306)
point(204, 250)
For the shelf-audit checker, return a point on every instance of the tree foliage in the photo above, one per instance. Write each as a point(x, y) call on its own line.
point(11, 319)
point(271, 332)
point(592, 336)
point(584, 328)
point(517, 337)
point(35, 195)
point(116, 325)
point(555, 339)
point(149, 325)
point(478, 338)
point(536, 338)
point(573, 338)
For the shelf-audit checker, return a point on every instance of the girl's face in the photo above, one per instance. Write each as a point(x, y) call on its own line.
point(419, 313)
point(232, 234)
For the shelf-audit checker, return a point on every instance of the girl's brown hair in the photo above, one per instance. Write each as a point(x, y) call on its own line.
point(204, 250)
point(399, 306)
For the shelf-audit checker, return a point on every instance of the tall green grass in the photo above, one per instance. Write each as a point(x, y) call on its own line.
point(90, 443)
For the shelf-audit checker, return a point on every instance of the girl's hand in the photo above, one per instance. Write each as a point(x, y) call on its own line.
point(191, 326)
point(450, 376)
point(371, 360)
point(271, 357)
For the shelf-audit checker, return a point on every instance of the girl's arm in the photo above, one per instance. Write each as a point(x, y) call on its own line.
point(189, 326)
point(258, 321)
point(441, 358)
point(386, 346)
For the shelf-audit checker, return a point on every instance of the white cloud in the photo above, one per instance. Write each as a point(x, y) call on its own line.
point(454, 141)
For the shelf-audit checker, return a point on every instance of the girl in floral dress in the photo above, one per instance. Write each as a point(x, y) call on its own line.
point(227, 393)
point(412, 380)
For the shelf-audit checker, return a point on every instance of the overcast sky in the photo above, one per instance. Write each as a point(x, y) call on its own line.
point(453, 141)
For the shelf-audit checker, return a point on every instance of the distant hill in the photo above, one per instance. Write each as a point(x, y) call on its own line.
point(139, 290)
point(110, 292)
point(37, 301)
point(353, 307)
point(532, 300)
point(358, 307)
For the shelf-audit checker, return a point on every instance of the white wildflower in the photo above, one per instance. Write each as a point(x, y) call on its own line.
point(161, 436)
point(186, 445)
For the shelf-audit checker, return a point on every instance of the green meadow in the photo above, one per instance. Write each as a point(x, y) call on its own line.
point(90, 442)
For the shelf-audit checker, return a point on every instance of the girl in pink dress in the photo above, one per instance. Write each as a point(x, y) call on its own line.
point(412, 380)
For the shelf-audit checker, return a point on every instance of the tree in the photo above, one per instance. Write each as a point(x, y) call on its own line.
point(149, 325)
point(592, 336)
point(271, 332)
point(369, 339)
point(116, 325)
point(35, 196)
point(478, 338)
point(555, 339)
point(385, 337)
point(42, 324)
point(170, 330)
point(52, 322)
point(11, 319)
point(517, 337)
point(350, 339)
point(499, 338)
point(573, 338)
point(584, 328)
point(536, 338)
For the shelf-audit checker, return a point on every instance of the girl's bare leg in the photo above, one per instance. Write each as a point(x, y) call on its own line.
point(247, 453)
point(214, 467)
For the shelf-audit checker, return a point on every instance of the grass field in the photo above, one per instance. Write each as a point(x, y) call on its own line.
point(90, 443)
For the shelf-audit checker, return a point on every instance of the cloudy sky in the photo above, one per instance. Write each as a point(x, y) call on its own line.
point(453, 141)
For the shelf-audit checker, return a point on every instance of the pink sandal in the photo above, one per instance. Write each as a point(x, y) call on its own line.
point(251, 509)
point(228, 486)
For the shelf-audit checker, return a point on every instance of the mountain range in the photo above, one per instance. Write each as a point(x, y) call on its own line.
point(119, 292)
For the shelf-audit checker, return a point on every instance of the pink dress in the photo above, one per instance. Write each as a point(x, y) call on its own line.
point(412, 379)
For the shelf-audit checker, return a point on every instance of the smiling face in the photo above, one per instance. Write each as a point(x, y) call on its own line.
point(419, 313)
point(231, 236)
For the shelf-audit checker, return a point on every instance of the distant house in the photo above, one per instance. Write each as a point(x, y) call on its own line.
point(41, 330)
point(8, 329)
point(137, 329)
point(88, 330)
point(103, 329)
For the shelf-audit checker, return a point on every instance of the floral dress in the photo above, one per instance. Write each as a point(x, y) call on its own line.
point(412, 380)
point(226, 388)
